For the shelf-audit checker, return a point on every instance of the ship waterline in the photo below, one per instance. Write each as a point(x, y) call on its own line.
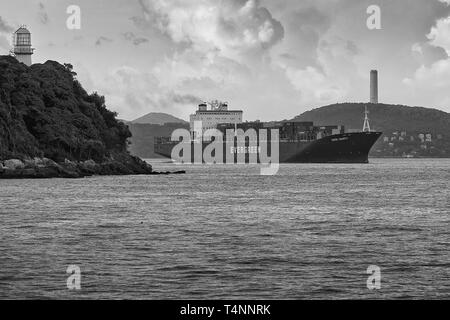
point(219, 136)
point(339, 148)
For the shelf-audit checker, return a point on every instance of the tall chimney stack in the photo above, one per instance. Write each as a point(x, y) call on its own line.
point(373, 86)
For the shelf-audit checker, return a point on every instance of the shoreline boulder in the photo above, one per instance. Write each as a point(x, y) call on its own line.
point(14, 164)
point(43, 168)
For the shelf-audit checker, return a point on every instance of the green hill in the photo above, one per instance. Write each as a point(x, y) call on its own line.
point(403, 126)
point(45, 113)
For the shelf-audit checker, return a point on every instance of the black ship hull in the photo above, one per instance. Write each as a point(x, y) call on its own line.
point(340, 148)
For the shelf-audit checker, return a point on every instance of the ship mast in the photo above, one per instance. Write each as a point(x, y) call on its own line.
point(366, 126)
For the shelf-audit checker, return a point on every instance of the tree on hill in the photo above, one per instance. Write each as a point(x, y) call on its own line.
point(383, 117)
point(44, 111)
point(405, 128)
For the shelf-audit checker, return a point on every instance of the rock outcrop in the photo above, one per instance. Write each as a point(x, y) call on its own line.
point(47, 168)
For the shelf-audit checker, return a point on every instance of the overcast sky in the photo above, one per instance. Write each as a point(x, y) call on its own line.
point(273, 59)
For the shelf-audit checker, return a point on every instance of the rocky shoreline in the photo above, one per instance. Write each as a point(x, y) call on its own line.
point(42, 168)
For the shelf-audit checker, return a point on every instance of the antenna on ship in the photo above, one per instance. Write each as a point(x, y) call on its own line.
point(366, 126)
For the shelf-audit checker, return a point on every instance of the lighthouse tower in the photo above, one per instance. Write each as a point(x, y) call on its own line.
point(22, 45)
point(366, 126)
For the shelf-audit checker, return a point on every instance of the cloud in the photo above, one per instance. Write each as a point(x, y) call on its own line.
point(4, 43)
point(217, 45)
point(133, 92)
point(429, 86)
point(319, 51)
point(429, 83)
point(102, 40)
point(42, 14)
point(233, 28)
point(190, 65)
point(328, 43)
point(439, 35)
point(427, 54)
point(256, 54)
point(182, 99)
point(5, 27)
point(330, 82)
point(130, 36)
point(139, 41)
point(304, 28)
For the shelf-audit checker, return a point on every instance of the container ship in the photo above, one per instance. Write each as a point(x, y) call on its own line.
point(297, 141)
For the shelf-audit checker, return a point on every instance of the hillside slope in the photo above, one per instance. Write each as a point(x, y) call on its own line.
point(45, 113)
point(158, 118)
point(406, 129)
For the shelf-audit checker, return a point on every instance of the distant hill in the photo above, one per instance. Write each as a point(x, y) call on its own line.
point(143, 137)
point(394, 121)
point(146, 128)
point(157, 118)
point(383, 117)
point(408, 131)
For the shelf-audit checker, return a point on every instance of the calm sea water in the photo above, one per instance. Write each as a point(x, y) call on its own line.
point(226, 232)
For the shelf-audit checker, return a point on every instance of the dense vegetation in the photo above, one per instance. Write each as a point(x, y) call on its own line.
point(383, 117)
point(45, 112)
